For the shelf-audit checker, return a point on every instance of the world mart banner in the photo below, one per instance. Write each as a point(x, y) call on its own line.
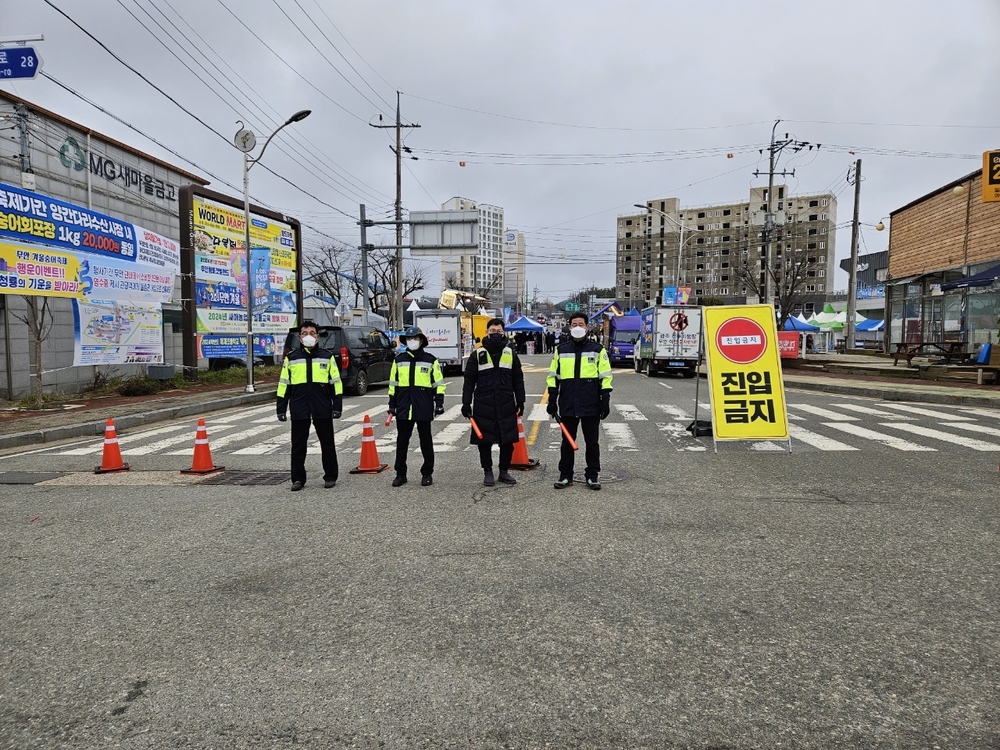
point(36, 218)
point(37, 270)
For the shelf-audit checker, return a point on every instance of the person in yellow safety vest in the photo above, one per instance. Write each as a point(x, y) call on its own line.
point(310, 385)
point(579, 386)
point(416, 396)
point(494, 378)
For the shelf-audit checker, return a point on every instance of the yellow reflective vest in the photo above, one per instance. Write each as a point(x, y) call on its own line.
point(580, 377)
point(416, 385)
point(310, 384)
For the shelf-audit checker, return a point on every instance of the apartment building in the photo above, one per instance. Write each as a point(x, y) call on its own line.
point(514, 282)
point(481, 273)
point(716, 251)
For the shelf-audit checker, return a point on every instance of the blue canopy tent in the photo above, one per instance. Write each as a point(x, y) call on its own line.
point(794, 324)
point(525, 324)
point(633, 311)
point(870, 325)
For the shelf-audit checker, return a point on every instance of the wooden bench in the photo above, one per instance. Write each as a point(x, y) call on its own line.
point(980, 371)
point(949, 349)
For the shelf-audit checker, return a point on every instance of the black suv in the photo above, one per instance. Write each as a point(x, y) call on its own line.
point(364, 355)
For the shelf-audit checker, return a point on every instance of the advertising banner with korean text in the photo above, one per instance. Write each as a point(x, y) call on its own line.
point(38, 270)
point(224, 273)
point(113, 333)
point(744, 373)
point(217, 345)
point(36, 218)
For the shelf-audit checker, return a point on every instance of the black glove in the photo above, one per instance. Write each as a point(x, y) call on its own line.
point(520, 410)
point(392, 409)
point(282, 418)
point(335, 414)
point(552, 407)
point(439, 410)
point(466, 411)
point(605, 406)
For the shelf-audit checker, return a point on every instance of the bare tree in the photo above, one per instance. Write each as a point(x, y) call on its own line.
point(324, 268)
point(790, 274)
point(38, 318)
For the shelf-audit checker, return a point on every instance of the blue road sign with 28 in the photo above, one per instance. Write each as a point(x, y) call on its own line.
point(19, 62)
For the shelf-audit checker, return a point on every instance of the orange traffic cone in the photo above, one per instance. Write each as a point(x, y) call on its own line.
point(369, 453)
point(111, 460)
point(520, 458)
point(202, 462)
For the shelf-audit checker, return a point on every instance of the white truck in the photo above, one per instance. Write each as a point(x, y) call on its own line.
point(443, 329)
point(669, 340)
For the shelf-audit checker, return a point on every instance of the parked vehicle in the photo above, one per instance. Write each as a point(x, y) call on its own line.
point(364, 354)
point(670, 340)
point(443, 329)
point(621, 334)
point(227, 363)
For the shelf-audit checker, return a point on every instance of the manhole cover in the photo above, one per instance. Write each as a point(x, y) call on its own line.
point(28, 477)
point(247, 478)
point(604, 477)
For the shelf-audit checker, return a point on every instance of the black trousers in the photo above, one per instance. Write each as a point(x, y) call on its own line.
point(486, 455)
point(592, 435)
point(300, 437)
point(404, 431)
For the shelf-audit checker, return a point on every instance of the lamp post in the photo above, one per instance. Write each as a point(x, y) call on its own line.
point(246, 141)
point(681, 240)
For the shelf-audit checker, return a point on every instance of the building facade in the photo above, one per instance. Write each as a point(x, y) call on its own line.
point(716, 251)
point(515, 281)
point(944, 265)
point(49, 154)
point(481, 273)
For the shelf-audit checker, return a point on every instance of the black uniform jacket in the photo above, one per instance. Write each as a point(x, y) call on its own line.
point(495, 393)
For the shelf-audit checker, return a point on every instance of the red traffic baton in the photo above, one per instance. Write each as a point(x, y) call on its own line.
point(388, 420)
point(569, 438)
point(475, 428)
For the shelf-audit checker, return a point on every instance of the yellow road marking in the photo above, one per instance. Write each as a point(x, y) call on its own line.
point(530, 440)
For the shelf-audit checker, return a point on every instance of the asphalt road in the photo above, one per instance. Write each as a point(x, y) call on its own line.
point(750, 598)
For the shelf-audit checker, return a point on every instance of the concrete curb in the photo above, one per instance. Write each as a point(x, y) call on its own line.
point(127, 421)
point(895, 394)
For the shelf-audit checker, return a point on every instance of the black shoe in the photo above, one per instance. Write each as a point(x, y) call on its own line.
point(296, 486)
point(593, 484)
point(329, 484)
point(426, 481)
point(488, 479)
point(563, 483)
point(399, 481)
point(506, 478)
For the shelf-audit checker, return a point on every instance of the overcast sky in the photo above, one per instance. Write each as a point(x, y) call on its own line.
point(564, 113)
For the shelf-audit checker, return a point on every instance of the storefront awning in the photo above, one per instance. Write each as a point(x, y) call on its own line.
point(983, 278)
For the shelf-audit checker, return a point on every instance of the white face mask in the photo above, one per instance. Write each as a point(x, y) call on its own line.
point(578, 332)
point(413, 344)
point(308, 341)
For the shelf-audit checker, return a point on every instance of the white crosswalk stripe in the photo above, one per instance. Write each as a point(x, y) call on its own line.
point(910, 409)
point(976, 445)
point(834, 426)
point(821, 442)
point(825, 413)
point(630, 413)
point(889, 440)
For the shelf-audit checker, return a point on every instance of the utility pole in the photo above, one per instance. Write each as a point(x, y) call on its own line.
point(397, 294)
point(774, 149)
point(364, 263)
point(852, 284)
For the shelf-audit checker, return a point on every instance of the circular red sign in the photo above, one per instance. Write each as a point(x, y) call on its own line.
point(741, 340)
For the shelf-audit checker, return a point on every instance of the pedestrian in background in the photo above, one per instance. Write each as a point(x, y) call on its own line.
point(493, 394)
point(310, 387)
point(416, 396)
point(579, 387)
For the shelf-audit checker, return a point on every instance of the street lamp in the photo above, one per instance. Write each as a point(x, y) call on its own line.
point(245, 141)
point(681, 240)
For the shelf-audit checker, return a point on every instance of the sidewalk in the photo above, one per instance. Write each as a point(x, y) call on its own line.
point(27, 428)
